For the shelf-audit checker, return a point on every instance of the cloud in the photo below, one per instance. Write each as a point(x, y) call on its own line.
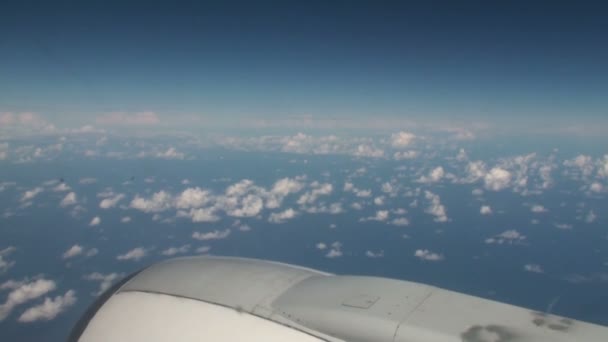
point(596, 187)
point(563, 226)
point(322, 246)
point(95, 221)
point(282, 216)
point(30, 194)
point(170, 153)
point(135, 254)
point(5, 265)
point(214, 235)
point(434, 176)
point(68, 200)
point(111, 202)
point(537, 208)
point(125, 119)
point(105, 280)
point(485, 210)
point(368, 151)
point(49, 309)
point(176, 250)
point(497, 179)
point(193, 198)
point(508, 237)
point(590, 217)
point(425, 254)
point(335, 251)
point(435, 207)
point(534, 268)
point(381, 216)
point(203, 215)
point(160, 201)
point(402, 139)
point(374, 255)
point(404, 155)
point(203, 249)
point(73, 252)
point(310, 197)
point(401, 221)
point(24, 293)
point(61, 187)
point(125, 219)
point(582, 163)
point(3, 151)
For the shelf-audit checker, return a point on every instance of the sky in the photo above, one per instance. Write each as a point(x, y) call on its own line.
point(458, 144)
point(217, 63)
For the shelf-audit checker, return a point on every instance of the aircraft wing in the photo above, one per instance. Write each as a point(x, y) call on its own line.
point(221, 299)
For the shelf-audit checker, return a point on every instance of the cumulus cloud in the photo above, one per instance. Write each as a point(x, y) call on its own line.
point(311, 196)
point(30, 194)
point(435, 207)
point(49, 309)
point(596, 187)
point(170, 153)
point(193, 198)
point(24, 293)
point(135, 254)
point(335, 251)
point(402, 139)
point(401, 221)
point(425, 254)
point(125, 219)
point(111, 202)
point(3, 151)
point(73, 252)
point(368, 151)
point(171, 251)
point(497, 179)
point(534, 268)
point(485, 210)
point(126, 119)
point(160, 201)
point(381, 216)
point(282, 216)
point(203, 249)
point(508, 237)
point(590, 217)
point(322, 246)
point(404, 155)
point(374, 255)
point(61, 187)
point(214, 235)
point(69, 200)
point(95, 221)
point(105, 280)
point(537, 208)
point(5, 265)
point(434, 176)
point(583, 164)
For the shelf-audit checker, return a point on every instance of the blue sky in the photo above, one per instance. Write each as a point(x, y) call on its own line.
point(221, 62)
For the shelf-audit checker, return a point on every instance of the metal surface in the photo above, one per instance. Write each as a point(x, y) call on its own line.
point(344, 308)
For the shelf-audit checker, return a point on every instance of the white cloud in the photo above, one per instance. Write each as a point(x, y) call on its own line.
point(286, 186)
point(49, 309)
point(434, 176)
point(176, 250)
point(3, 151)
point(282, 216)
point(402, 221)
point(69, 199)
point(379, 201)
point(170, 153)
point(373, 255)
point(135, 254)
point(88, 180)
point(111, 202)
point(596, 187)
point(425, 254)
point(61, 187)
point(5, 265)
point(335, 250)
point(362, 193)
point(381, 216)
point(402, 139)
point(203, 215)
point(30, 194)
point(368, 151)
point(563, 226)
point(583, 163)
point(73, 252)
point(311, 196)
point(193, 198)
point(591, 217)
point(534, 268)
point(251, 205)
point(497, 179)
point(537, 208)
point(95, 221)
point(435, 207)
point(125, 219)
point(507, 237)
point(160, 201)
point(24, 293)
point(321, 246)
point(105, 280)
point(485, 210)
point(128, 119)
point(404, 155)
point(214, 235)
